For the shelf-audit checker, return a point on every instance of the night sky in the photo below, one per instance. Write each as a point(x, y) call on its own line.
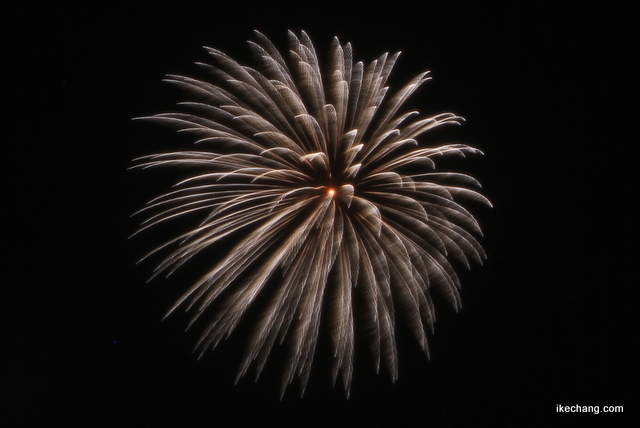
point(551, 318)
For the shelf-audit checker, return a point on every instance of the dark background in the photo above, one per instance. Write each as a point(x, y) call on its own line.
point(549, 319)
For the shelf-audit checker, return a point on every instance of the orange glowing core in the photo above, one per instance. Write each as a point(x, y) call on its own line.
point(331, 191)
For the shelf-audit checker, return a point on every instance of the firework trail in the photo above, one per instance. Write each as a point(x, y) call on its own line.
point(321, 184)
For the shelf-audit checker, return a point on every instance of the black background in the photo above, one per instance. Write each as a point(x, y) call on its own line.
point(549, 319)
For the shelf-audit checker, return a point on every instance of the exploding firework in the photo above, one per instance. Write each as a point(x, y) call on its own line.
point(327, 196)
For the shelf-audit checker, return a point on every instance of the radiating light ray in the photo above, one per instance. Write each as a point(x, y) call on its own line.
point(320, 184)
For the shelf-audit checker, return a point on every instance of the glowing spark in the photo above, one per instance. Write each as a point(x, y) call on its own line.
point(271, 137)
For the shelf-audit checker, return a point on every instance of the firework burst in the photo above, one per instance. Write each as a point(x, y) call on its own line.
point(322, 186)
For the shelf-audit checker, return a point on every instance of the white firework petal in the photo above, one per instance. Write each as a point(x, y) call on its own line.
point(398, 99)
point(313, 173)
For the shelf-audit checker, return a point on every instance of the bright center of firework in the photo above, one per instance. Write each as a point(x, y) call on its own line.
point(331, 191)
